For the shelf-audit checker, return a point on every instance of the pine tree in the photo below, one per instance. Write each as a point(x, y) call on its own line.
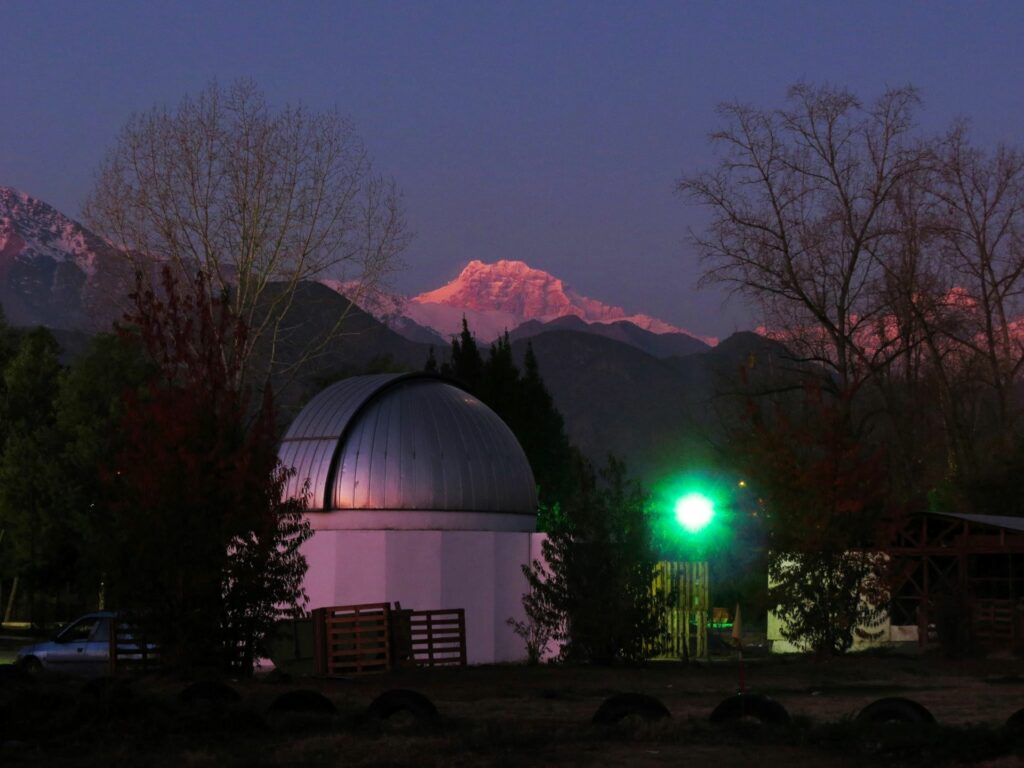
point(466, 363)
point(39, 541)
point(595, 592)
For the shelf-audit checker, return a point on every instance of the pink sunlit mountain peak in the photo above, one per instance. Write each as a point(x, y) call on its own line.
point(503, 295)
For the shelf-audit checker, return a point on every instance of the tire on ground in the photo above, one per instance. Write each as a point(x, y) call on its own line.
point(755, 705)
point(1015, 723)
point(303, 701)
point(621, 705)
point(894, 709)
point(398, 700)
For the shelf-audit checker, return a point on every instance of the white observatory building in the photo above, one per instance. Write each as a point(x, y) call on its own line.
point(418, 493)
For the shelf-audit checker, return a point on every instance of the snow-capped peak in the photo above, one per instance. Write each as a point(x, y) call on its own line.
point(30, 228)
point(500, 296)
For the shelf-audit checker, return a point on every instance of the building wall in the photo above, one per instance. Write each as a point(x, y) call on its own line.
point(479, 571)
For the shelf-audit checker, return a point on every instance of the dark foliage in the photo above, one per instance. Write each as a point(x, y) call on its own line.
point(823, 495)
point(594, 594)
point(201, 550)
point(40, 548)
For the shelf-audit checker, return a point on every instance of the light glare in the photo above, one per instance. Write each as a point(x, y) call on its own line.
point(694, 511)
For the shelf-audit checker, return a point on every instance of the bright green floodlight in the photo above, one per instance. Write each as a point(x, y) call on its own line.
point(694, 511)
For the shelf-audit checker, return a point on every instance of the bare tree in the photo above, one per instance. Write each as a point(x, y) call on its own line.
point(800, 201)
point(894, 261)
point(258, 199)
point(981, 197)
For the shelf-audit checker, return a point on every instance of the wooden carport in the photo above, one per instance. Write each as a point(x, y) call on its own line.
point(959, 578)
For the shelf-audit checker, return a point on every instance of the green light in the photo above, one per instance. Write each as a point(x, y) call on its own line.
point(694, 511)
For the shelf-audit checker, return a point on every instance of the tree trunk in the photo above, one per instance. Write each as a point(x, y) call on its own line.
point(10, 600)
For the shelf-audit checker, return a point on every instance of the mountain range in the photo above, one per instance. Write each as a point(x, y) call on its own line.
point(625, 383)
point(511, 296)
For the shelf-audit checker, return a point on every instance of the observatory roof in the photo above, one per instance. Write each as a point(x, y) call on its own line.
point(406, 442)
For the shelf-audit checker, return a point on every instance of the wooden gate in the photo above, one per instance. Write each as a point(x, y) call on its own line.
point(684, 586)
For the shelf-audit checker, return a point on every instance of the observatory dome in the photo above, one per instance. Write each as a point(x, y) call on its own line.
point(406, 444)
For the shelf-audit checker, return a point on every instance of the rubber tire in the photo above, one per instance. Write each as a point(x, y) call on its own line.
point(756, 705)
point(402, 700)
point(1015, 723)
point(895, 709)
point(304, 701)
point(622, 705)
point(212, 691)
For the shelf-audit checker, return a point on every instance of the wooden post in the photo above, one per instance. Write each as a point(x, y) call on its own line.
point(319, 642)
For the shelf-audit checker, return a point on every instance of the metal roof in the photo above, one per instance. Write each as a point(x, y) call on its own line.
point(998, 521)
point(406, 441)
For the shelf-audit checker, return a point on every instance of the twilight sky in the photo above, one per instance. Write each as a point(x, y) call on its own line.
point(551, 132)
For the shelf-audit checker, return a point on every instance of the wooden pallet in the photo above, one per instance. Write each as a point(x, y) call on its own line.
point(352, 639)
point(438, 638)
point(994, 623)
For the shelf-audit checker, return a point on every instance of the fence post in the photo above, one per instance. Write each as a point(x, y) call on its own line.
point(319, 642)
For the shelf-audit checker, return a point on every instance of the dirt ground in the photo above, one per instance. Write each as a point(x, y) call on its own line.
point(530, 716)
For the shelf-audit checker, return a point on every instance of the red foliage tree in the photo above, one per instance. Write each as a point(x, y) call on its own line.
point(203, 551)
point(824, 495)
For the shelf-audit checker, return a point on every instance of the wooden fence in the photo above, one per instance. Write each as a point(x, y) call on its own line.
point(129, 652)
point(683, 586)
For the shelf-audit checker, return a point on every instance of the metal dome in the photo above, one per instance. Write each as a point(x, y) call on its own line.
point(406, 442)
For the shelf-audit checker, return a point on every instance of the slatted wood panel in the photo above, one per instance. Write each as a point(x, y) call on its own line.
point(994, 622)
point(352, 639)
point(128, 653)
point(438, 638)
point(684, 586)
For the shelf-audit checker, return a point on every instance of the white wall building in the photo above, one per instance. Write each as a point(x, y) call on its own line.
point(418, 494)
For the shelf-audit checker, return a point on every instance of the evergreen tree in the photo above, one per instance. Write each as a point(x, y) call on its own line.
point(500, 385)
point(595, 592)
point(466, 364)
point(40, 544)
point(90, 409)
point(541, 431)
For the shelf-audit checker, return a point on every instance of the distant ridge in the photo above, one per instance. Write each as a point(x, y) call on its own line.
point(656, 344)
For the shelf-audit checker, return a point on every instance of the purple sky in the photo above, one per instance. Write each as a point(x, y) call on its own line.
point(549, 132)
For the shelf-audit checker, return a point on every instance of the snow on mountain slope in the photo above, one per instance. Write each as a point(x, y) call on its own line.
point(53, 271)
point(501, 296)
point(30, 228)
